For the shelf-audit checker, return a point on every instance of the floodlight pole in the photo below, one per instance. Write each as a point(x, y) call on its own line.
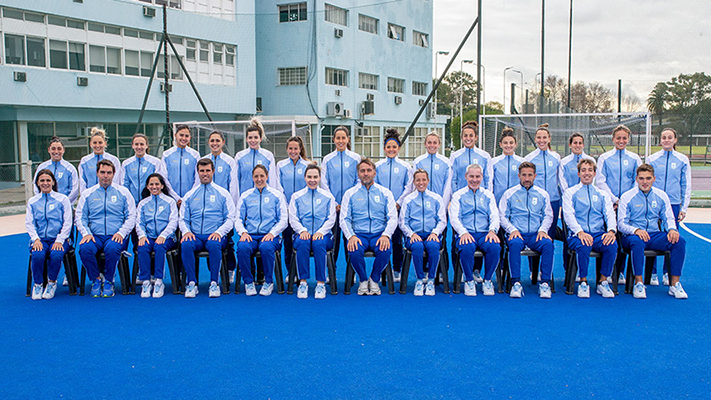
point(543, 46)
point(478, 62)
point(165, 66)
point(570, 49)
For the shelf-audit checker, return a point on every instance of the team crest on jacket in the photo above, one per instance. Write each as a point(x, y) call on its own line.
point(654, 204)
point(51, 207)
point(436, 166)
point(219, 169)
point(160, 208)
point(673, 165)
point(298, 171)
point(550, 163)
point(113, 199)
point(187, 162)
point(625, 162)
point(212, 198)
point(59, 175)
point(144, 169)
point(396, 169)
point(428, 204)
point(259, 162)
point(318, 201)
point(266, 200)
point(346, 164)
point(594, 198)
point(534, 201)
point(377, 199)
point(475, 161)
point(513, 168)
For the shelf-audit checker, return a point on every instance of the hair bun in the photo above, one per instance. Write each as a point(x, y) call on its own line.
point(546, 125)
point(257, 123)
point(507, 129)
point(392, 132)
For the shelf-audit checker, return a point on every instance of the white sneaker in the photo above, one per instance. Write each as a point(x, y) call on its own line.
point(214, 290)
point(609, 280)
point(232, 277)
point(544, 291)
point(604, 290)
point(469, 288)
point(363, 288)
point(138, 282)
point(158, 289)
point(621, 280)
point(477, 277)
point(191, 291)
point(303, 291)
point(665, 279)
point(584, 290)
point(320, 292)
point(429, 288)
point(52, 288)
point(250, 290)
point(37, 292)
point(654, 280)
point(639, 291)
point(65, 282)
point(419, 288)
point(516, 291)
point(396, 277)
point(678, 291)
point(577, 279)
point(146, 289)
point(464, 278)
point(373, 288)
point(267, 289)
point(488, 288)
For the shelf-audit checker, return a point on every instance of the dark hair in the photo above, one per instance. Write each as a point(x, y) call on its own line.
point(314, 167)
point(46, 172)
point(366, 161)
point(180, 127)
point(107, 163)
point(587, 161)
point(392, 134)
point(139, 135)
point(507, 132)
point(645, 168)
point(621, 128)
point(544, 127)
point(56, 139)
point(672, 130)
point(255, 126)
point(574, 135)
point(421, 171)
point(145, 192)
point(300, 142)
point(262, 167)
point(526, 164)
point(348, 134)
point(203, 162)
point(216, 133)
point(471, 125)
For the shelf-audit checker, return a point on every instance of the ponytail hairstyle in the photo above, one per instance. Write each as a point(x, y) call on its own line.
point(346, 131)
point(145, 192)
point(507, 132)
point(300, 142)
point(544, 127)
point(255, 125)
point(574, 135)
point(48, 173)
point(392, 134)
point(471, 125)
point(672, 130)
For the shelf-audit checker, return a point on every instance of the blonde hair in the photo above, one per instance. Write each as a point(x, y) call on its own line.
point(255, 125)
point(435, 134)
point(96, 131)
point(544, 127)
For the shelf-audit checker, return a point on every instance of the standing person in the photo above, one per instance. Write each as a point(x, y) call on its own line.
point(225, 176)
point(503, 169)
point(261, 218)
point(437, 166)
point(368, 220)
point(180, 163)
point(592, 225)
point(526, 215)
point(156, 221)
point(64, 172)
point(49, 222)
point(87, 165)
point(475, 218)
point(673, 176)
point(395, 175)
point(291, 179)
point(340, 173)
point(254, 155)
point(206, 216)
point(616, 175)
point(105, 216)
point(312, 214)
point(547, 162)
point(468, 155)
point(646, 220)
point(423, 218)
point(568, 169)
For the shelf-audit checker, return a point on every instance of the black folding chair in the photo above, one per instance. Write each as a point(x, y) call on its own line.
point(442, 266)
point(123, 271)
point(172, 259)
point(330, 266)
point(650, 258)
point(70, 270)
point(387, 276)
point(257, 266)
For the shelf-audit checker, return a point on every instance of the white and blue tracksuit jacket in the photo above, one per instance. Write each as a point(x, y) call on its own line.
point(650, 211)
point(525, 210)
point(181, 167)
point(440, 173)
point(423, 212)
point(340, 172)
point(207, 209)
point(291, 176)
point(396, 176)
point(49, 216)
point(547, 163)
point(247, 159)
point(136, 171)
point(225, 175)
point(367, 211)
point(313, 211)
point(157, 216)
point(261, 212)
point(66, 176)
point(465, 157)
point(617, 171)
point(106, 211)
point(473, 211)
point(87, 170)
point(503, 174)
point(568, 170)
point(673, 176)
point(588, 208)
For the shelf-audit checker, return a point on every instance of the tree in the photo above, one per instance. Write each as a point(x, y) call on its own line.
point(584, 97)
point(656, 101)
point(689, 97)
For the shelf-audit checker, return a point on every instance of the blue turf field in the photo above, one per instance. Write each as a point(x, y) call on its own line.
point(399, 346)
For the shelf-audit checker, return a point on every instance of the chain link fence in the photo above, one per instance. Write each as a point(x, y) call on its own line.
point(15, 187)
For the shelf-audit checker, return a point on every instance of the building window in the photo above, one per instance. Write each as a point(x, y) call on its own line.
point(292, 76)
point(420, 39)
point(58, 54)
point(146, 35)
point(32, 17)
point(72, 23)
point(367, 24)
point(367, 141)
point(419, 88)
point(58, 21)
point(217, 53)
point(130, 33)
point(368, 81)
point(396, 85)
point(174, 70)
point(35, 52)
point(94, 27)
point(337, 15)
point(396, 32)
point(113, 60)
point(14, 49)
point(292, 12)
point(146, 63)
point(76, 57)
point(230, 55)
point(97, 59)
point(133, 66)
point(204, 51)
point(336, 77)
point(190, 48)
point(13, 14)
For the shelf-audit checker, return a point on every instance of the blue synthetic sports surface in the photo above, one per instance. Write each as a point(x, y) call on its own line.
point(399, 346)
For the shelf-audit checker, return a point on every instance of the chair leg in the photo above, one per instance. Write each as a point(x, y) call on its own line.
point(457, 279)
point(331, 265)
point(238, 279)
point(349, 279)
point(224, 274)
point(70, 270)
point(570, 274)
point(406, 260)
point(445, 273)
point(629, 285)
point(174, 278)
point(29, 279)
point(82, 283)
point(290, 272)
point(126, 284)
point(390, 278)
point(648, 266)
point(278, 272)
point(535, 264)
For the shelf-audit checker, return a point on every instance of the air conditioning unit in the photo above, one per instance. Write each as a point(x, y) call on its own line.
point(82, 81)
point(166, 88)
point(149, 12)
point(398, 100)
point(334, 109)
point(338, 92)
point(431, 111)
point(368, 107)
point(370, 97)
point(422, 102)
point(19, 76)
point(337, 32)
point(347, 114)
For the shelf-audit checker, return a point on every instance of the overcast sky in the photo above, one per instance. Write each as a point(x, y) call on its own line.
point(641, 42)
